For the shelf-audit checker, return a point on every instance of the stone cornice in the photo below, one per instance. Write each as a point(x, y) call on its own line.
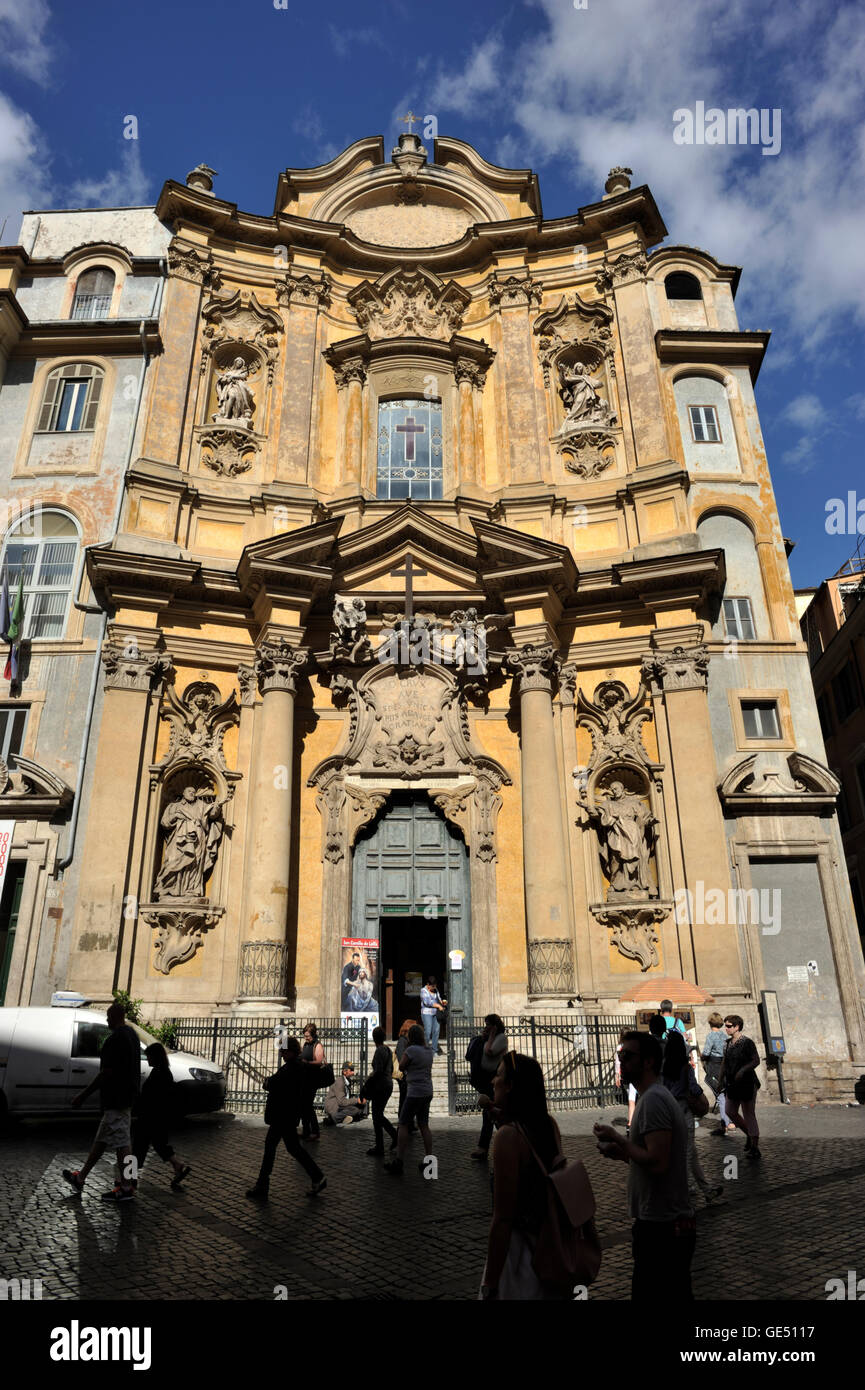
point(88, 335)
point(713, 347)
point(360, 348)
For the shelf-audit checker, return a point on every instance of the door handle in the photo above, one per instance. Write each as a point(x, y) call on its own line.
point(75, 1070)
point(55, 1068)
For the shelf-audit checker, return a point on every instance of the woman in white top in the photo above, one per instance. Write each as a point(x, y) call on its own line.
point(431, 1009)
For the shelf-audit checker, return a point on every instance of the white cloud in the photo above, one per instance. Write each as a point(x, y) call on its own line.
point(345, 41)
point(23, 45)
point(856, 405)
point(24, 175)
point(806, 411)
point(124, 186)
point(804, 456)
point(599, 86)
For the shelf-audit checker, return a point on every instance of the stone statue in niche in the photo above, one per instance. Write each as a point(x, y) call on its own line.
point(234, 398)
point(627, 831)
point(350, 639)
point(581, 400)
point(192, 825)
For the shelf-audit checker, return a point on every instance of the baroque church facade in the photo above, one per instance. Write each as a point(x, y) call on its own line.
point(449, 612)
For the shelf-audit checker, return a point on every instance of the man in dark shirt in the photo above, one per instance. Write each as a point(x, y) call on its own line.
point(118, 1081)
point(286, 1095)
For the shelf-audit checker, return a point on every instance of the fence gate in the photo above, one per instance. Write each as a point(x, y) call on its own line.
point(247, 1050)
point(577, 1053)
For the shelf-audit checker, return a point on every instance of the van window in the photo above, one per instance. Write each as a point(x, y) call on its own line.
point(89, 1037)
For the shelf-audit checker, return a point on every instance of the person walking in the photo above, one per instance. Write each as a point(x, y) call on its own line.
point(495, 1044)
point(417, 1063)
point(378, 1089)
point(712, 1056)
point(118, 1082)
point(677, 1074)
point(527, 1145)
point(399, 1053)
point(153, 1115)
point(432, 1007)
point(741, 1083)
point(664, 1232)
point(286, 1092)
point(312, 1055)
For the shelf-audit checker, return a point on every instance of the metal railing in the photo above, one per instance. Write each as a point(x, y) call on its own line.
point(247, 1050)
point(577, 1053)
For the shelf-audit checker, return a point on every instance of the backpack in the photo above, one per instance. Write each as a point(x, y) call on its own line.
point(567, 1249)
point(474, 1053)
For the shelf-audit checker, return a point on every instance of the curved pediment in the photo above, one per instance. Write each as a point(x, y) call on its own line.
point(29, 790)
point(761, 781)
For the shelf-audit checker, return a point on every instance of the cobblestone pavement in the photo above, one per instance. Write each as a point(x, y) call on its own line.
point(784, 1228)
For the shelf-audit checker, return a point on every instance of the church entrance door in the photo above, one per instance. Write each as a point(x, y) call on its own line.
point(410, 888)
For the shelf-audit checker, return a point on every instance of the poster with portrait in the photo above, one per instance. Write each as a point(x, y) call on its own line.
point(359, 982)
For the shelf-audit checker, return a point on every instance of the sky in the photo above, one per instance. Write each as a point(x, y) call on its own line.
point(566, 87)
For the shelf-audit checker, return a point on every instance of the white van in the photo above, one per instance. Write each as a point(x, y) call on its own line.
point(48, 1055)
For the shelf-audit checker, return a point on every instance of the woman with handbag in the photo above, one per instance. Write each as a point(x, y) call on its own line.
point(527, 1149)
point(312, 1054)
point(378, 1089)
point(399, 1053)
point(741, 1082)
point(677, 1075)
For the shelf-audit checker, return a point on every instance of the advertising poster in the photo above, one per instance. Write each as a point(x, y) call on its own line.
point(359, 997)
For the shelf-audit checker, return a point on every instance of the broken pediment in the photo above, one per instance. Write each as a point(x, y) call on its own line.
point(765, 781)
point(407, 302)
point(28, 790)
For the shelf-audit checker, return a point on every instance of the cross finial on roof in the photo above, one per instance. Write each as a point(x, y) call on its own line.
point(410, 120)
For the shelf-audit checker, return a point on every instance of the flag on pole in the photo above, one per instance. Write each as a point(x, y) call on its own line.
point(4, 605)
point(14, 631)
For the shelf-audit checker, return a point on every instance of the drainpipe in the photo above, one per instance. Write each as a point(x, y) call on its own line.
point(64, 863)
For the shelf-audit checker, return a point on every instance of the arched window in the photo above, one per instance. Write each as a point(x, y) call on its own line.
point(93, 293)
point(44, 544)
point(410, 461)
point(71, 399)
point(681, 285)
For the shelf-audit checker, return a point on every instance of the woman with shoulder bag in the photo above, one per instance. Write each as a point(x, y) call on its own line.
point(399, 1075)
point(677, 1075)
point(741, 1082)
point(526, 1152)
point(312, 1053)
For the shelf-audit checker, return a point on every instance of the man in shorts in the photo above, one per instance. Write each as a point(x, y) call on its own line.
point(118, 1081)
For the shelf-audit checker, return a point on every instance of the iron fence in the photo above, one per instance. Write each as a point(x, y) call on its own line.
point(577, 1053)
point(247, 1050)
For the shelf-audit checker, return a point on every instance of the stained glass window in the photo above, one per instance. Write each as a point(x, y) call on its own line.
point(410, 450)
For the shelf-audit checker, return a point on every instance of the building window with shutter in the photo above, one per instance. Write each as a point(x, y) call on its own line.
point(71, 399)
point(47, 558)
point(704, 424)
point(738, 619)
point(93, 293)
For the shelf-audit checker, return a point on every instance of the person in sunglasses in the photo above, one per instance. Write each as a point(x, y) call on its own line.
point(740, 1082)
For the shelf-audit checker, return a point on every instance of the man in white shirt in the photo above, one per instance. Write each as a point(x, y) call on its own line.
point(664, 1232)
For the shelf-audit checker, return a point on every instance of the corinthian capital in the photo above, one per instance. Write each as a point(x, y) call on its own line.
point(536, 667)
point(352, 369)
point(684, 668)
point(278, 664)
point(129, 668)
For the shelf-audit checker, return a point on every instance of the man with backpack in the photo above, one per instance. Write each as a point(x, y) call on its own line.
point(664, 1233)
point(483, 1056)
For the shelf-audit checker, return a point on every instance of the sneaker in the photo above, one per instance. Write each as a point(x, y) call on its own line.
point(257, 1194)
point(317, 1187)
point(348, 1120)
point(178, 1177)
point(119, 1194)
point(73, 1177)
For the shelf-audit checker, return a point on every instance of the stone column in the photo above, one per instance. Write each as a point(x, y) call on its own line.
point(352, 375)
point(108, 886)
point(466, 376)
point(545, 860)
point(268, 860)
point(680, 678)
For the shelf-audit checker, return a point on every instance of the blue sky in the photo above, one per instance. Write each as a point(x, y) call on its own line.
point(251, 89)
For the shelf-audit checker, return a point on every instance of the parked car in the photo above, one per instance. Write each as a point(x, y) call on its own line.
point(48, 1055)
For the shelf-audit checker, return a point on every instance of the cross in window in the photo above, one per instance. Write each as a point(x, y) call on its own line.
point(408, 572)
point(410, 429)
